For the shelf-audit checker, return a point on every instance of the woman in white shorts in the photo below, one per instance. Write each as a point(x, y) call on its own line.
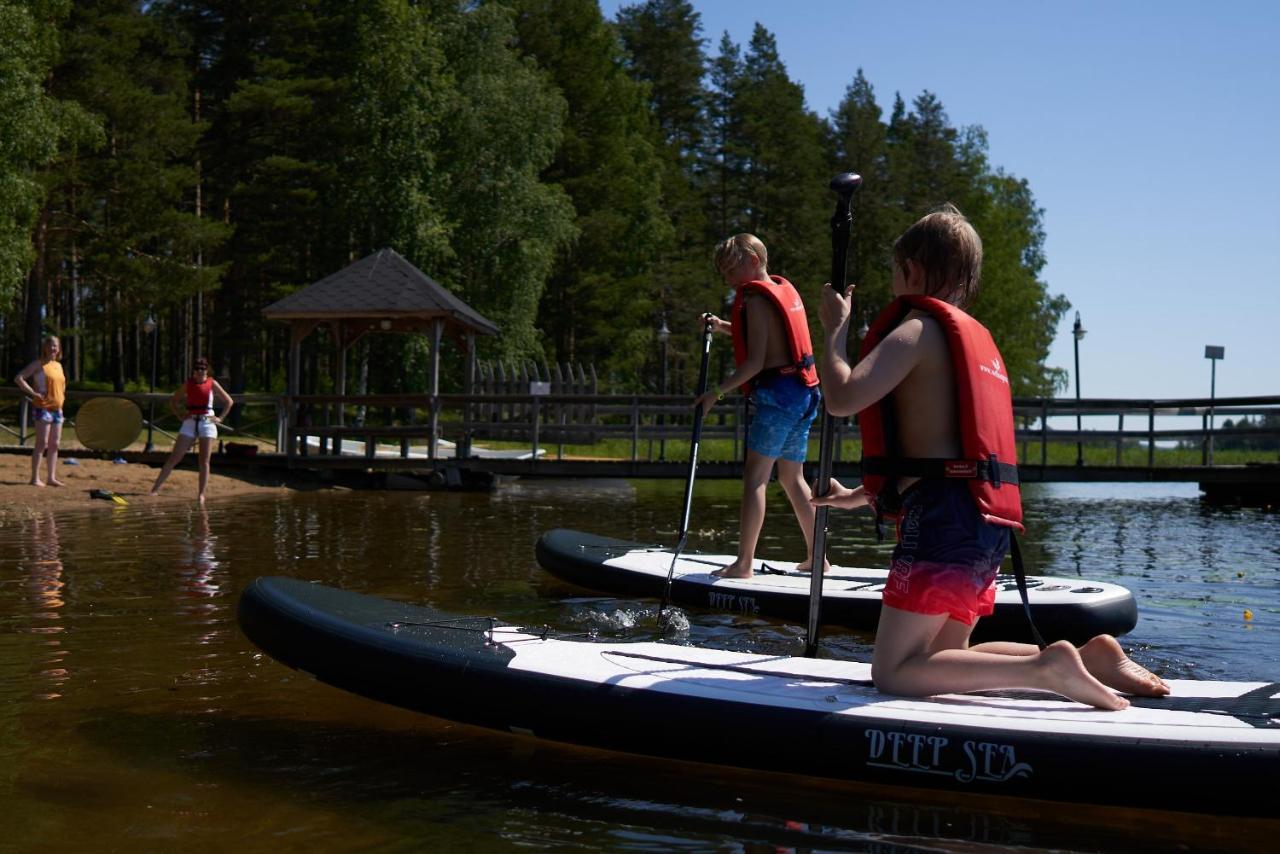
point(193, 403)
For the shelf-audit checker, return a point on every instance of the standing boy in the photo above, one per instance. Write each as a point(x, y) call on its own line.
point(773, 359)
point(937, 423)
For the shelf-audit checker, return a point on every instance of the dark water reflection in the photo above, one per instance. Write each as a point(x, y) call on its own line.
point(133, 715)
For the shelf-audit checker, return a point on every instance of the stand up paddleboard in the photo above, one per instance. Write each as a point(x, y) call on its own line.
point(1210, 746)
point(1064, 608)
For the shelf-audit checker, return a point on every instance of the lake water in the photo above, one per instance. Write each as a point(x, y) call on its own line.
point(134, 715)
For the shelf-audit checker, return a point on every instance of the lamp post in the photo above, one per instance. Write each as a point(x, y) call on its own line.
point(149, 326)
point(1077, 331)
point(664, 334)
point(1213, 354)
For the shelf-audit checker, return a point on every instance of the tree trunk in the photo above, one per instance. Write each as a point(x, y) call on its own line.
point(35, 290)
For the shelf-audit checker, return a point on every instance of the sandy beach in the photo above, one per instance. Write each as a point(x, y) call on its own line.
point(18, 498)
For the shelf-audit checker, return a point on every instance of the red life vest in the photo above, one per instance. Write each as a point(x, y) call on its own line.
point(984, 406)
point(786, 299)
point(200, 397)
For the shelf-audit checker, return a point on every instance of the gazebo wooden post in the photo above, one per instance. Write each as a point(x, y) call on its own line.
point(296, 334)
point(468, 388)
point(437, 329)
point(341, 346)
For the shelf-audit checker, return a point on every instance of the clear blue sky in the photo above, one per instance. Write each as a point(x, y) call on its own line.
point(1149, 133)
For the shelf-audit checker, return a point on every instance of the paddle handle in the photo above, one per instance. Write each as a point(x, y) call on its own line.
point(844, 186)
point(707, 329)
point(697, 426)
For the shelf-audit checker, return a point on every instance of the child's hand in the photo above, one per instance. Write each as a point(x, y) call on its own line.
point(835, 309)
point(707, 400)
point(839, 496)
point(717, 325)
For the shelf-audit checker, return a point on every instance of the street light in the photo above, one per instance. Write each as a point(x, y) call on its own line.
point(664, 334)
point(1213, 354)
point(1077, 332)
point(149, 326)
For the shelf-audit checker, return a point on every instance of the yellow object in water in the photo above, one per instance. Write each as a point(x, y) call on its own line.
point(108, 495)
point(1248, 615)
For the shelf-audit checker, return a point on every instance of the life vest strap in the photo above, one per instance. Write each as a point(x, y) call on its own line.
point(989, 470)
point(785, 370)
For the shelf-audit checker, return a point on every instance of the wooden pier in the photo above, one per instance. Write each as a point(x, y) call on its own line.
point(440, 440)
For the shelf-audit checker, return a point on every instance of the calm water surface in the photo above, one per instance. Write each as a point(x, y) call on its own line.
point(134, 716)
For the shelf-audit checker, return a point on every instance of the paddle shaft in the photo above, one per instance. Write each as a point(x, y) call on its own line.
point(841, 225)
point(693, 463)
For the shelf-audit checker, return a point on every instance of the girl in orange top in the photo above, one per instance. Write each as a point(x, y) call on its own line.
point(45, 385)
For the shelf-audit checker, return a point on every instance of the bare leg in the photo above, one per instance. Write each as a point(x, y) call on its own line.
point(180, 448)
point(42, 438)
point(755, 479)
point(1103, 657)
point(907, 662)
point(51, 452)
point(206, 448)
point(791, 476)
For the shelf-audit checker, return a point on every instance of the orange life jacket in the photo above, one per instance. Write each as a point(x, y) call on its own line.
point(200, 397)
point(984, 406)
point(786, 299)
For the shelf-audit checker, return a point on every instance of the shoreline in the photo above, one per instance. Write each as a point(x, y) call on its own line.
point(132, 481)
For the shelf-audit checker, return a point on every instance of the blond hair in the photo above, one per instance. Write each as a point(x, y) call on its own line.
point(948, 250)
point(46, 341)
point(732, 251)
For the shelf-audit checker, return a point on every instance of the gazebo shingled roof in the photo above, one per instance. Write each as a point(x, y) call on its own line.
point(382, 285)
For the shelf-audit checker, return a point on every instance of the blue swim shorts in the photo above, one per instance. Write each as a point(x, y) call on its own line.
point(785, 408)
point(947, 555)
point(49, 416)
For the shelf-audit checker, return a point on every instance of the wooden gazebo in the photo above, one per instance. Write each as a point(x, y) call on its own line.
point(380, 293)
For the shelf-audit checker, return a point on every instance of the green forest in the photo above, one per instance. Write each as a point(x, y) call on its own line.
point(192, 161)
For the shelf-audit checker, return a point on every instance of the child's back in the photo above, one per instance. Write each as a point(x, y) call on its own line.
point(908, 389)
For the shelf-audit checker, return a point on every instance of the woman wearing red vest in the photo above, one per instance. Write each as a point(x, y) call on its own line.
point(774, 362)
point(193, 403)
point(938, 457)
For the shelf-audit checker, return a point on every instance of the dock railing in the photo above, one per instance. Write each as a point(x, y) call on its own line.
point(639, 425)
point(1119, 432)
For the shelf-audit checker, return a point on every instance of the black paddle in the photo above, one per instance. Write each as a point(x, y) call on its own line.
point(841, 223)
point(693, 463)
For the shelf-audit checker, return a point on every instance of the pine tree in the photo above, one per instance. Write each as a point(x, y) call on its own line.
point(36, 125)
point(859, 138)
point(121, 214)
point(500, 130)
point(787, 167)
point(665, 51)
point(599, 304)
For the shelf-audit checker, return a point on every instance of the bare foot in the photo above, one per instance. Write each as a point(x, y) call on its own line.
point(1105, 659)
point(1068, 677)
point(37, 483)
point(53, 481)
point(806, 565)
point(200, 500)
point(734, 570)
